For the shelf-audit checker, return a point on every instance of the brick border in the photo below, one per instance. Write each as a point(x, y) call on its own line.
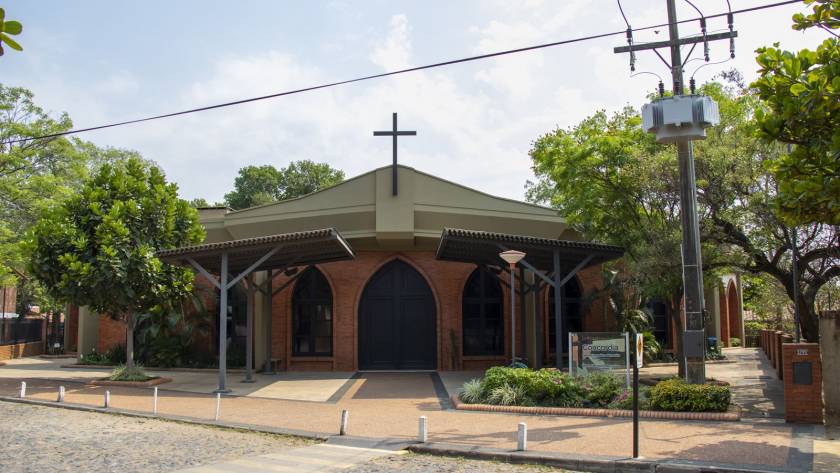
point(152, 368)
point(131, 384)
point(732, 415)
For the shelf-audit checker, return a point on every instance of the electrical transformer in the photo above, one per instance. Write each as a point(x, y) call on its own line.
point(683, 117)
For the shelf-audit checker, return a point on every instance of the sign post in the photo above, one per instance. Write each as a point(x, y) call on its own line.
point(638, 360)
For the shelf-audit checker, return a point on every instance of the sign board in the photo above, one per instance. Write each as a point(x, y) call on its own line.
point(591, 352)
point(802, 352)
point(802, 372)
point(640, 350)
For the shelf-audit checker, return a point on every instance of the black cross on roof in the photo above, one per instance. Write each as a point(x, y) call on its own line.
point(394, 133)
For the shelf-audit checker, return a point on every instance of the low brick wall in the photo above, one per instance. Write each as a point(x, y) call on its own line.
point(7, 352)
point(803, 392)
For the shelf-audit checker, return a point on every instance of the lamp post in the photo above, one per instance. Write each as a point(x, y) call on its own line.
point(512, 257)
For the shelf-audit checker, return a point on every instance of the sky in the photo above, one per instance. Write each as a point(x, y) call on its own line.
point(103, 61)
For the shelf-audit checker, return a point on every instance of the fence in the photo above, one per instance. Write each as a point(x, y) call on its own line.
point(19, 330)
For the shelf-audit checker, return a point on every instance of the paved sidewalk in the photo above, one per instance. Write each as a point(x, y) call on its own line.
point(315, 458)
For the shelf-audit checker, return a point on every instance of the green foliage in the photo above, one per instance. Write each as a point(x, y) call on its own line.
point(509, 395)
point(472, 392)
point(546, 386)
point(613, 183)
point(33, 175)
point(677, 395)
point(652, 349)
point(258, 185)
point(129, 373)
point(601, 388)
point(625, 399)
point(9, 28)
point(734, 341)
point(98, 247)
point(801, 91)
point(115, 355)
point(167, 332)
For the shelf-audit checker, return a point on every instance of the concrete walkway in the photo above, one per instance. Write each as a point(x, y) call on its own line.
point(324, 457)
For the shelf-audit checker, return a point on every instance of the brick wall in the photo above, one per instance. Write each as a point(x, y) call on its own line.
point(71, 329)
point(111, 332)
point(803, 402)
point(7, 352)
point(446, 280)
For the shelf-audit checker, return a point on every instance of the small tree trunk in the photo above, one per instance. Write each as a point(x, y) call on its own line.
point(129, 340)
point(809, 321)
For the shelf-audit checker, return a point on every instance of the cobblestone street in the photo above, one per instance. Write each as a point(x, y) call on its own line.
point(39, 439)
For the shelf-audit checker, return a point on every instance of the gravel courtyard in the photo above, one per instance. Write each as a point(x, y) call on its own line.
point(38, 439)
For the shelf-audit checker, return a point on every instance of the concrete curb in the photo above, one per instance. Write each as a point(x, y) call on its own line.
point(79, 366)
point(589, 463)
point(321, 436)
point(730, 416)
point(158, 380)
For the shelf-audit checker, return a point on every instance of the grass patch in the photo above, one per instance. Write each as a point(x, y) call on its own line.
point(124, 373)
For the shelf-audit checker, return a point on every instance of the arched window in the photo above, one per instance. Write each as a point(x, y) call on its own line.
point(312, 315)
point(483, 320)
point(572, 321)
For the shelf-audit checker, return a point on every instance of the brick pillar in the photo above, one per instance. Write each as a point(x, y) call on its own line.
point(830, 350)
point(777, 349)
point(783, 339)
point(803, 389)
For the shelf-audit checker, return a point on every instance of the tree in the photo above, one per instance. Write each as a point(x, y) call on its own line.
point(613, 183)
point(258, 185)
point(801, 91)
point(98, 247)
point(8, 28)
point(33, 174)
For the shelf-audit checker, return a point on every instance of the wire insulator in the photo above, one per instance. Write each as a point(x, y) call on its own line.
point(692, 86)
point(661, 89)
point(632, 53)
point(731, 20)
point(705, 39)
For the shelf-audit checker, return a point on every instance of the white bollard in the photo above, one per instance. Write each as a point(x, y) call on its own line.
point(107, 399)
point(154, 402)
point(60, 394)
point(22, 389)
point(522, 437)
point(422, 434)
point(218, 406)
point(342, 429)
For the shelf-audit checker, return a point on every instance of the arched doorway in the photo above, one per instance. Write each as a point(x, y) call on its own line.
point(734, 311)
point(397, 321)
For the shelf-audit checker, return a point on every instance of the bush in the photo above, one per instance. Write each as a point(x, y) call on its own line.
point(472, 392)
point(677, 395)
point(601, 388)
point(115, 355)
point(624, 400)
point(545, 386)
point(124, 373)
point(734, 342)
point(507, 395)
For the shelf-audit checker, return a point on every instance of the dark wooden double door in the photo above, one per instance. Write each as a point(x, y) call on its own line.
point(397, 321)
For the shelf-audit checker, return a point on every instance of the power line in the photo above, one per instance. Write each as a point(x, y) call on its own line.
point(385, 74)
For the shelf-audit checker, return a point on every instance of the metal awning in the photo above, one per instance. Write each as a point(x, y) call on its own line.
point(472, 246)
point(554, 262)
point(237, 260)
point(290, 249)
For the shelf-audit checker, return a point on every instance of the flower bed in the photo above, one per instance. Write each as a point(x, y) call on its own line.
point(552, 389)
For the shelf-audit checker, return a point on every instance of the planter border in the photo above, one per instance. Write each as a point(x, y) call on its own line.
point(152, 368)
point(131, 384)
point(732, 415)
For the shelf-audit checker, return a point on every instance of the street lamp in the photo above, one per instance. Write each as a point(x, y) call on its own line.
point(512, 257)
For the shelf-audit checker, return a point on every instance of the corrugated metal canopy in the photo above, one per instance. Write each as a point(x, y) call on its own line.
point(471, 246)
point(294, 249)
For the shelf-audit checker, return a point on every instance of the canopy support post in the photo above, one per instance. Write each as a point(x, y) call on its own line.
point(267, 303)
point(223, 296)
point(249, 337)
point(522, 314)
point(558, 310)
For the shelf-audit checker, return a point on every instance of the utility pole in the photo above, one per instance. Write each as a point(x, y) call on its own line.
point(692, 259)
point(681, 119)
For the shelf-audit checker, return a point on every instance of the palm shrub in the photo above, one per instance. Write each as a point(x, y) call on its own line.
point(509, 395)
point(600, 388)
point(129, 373)
point(547, 386)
